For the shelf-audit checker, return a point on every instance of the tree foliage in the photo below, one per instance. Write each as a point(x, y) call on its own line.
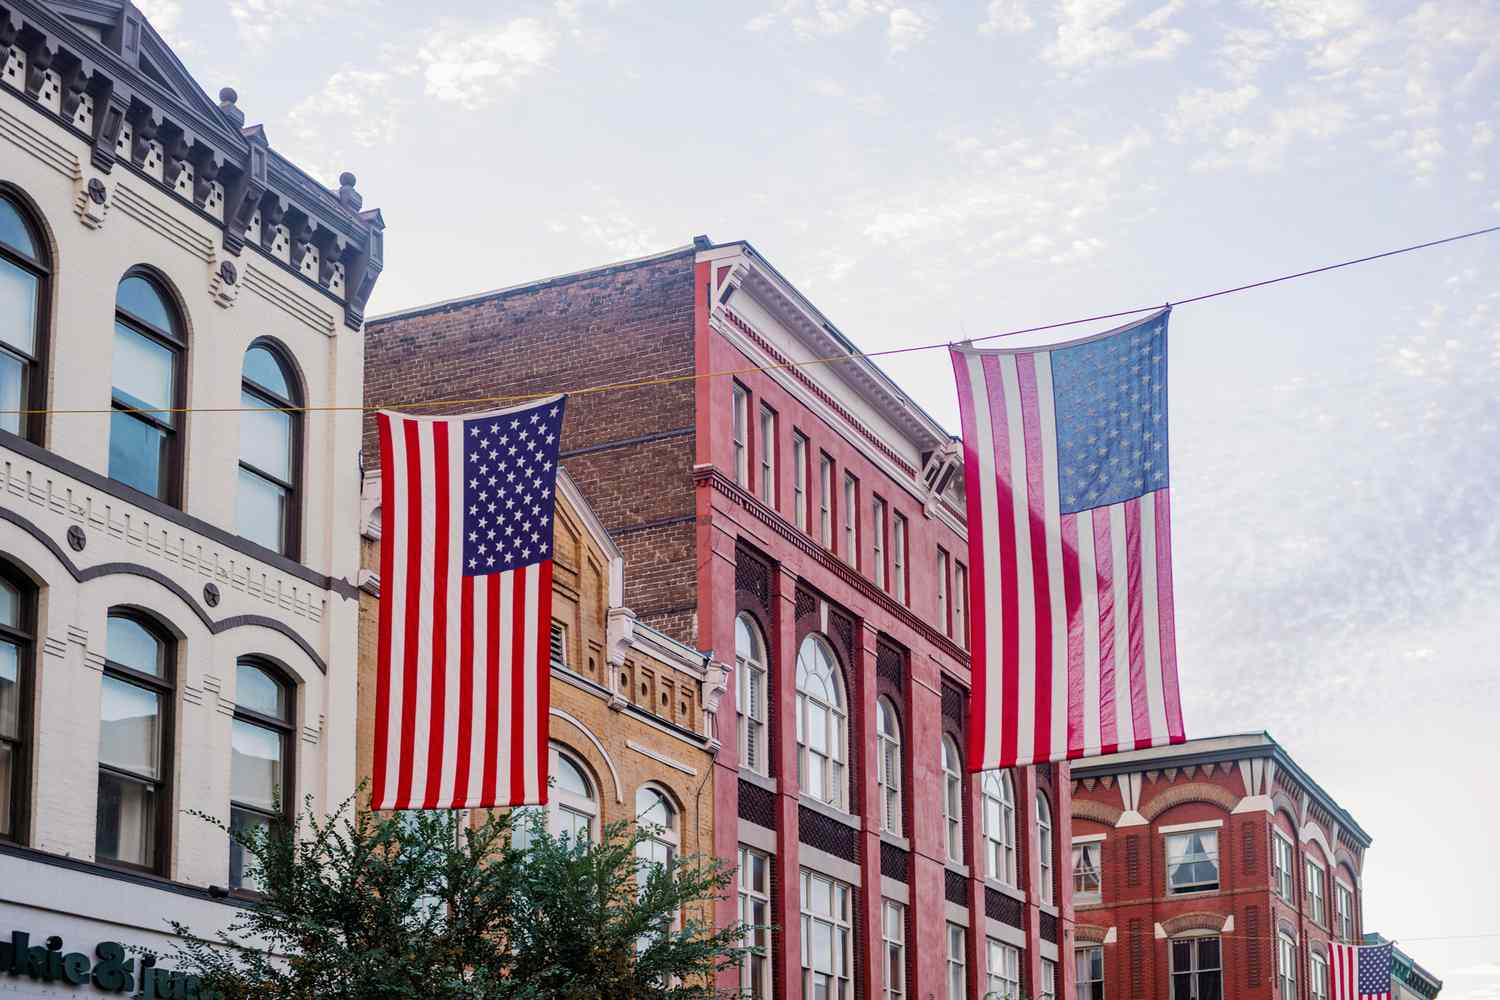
point(429, 905)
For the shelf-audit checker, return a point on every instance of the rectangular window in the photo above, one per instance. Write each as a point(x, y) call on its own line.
point(1088, 969)
point(799, 479)
point(898, 556)
point(893, 935)
point(943, 620)
point(767, 446)
point(1281, 867)
point(557, 645)
point(961, 604)
point(1313, 884)
point(1344, 900)
point(260, 742)
point(877, 536)
point(1197, 973)
point(827, 938)
point(1286, 967)
point(1002, 970)
point(825, 501)
point(851, 520)
point(755, 917)
point(1049, 980)
point(1087, 879)
point(958, 975)
point(1317, 976)
point(1193, 861)
point(740, 432)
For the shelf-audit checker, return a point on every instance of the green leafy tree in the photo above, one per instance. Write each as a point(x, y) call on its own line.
point(427, 905)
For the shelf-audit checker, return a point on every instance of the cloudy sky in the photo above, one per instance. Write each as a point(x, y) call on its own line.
point(930, 171)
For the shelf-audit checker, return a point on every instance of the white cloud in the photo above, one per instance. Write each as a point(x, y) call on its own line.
point(906, 28)
point(1244, 51)
point(261, 21)
point(334, 129)
point(468, 65)
point(1483, 135)
point(1265, 147)
point(615, 230)
point(834, 90)
point(1090, 32)
point(1007, 17)
point(1198, 110)
point(165, 16)
point(1423, 151)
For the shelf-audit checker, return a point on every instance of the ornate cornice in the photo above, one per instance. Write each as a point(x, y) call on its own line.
point(707, 475)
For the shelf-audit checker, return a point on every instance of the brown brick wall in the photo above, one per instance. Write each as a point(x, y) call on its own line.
point(630, 451)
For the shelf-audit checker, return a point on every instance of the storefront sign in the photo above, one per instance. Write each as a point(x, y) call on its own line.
point(108, 971)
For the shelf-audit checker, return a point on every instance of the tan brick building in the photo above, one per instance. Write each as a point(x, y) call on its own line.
point(631, 708)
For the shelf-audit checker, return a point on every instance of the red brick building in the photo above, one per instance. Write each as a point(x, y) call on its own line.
point(1212, 869)
point(805, 525)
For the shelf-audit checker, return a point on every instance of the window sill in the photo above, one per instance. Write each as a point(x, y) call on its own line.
point(758, 779)
point(832, 812)
point(895, 840)
point(1010, 891)
point(954, 866)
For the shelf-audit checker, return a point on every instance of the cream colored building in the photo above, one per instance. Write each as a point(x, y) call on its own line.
point(178, 611)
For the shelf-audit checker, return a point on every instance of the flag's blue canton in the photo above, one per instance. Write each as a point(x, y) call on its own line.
point(510, 475)
point(1110, 400)
point(1375, 970)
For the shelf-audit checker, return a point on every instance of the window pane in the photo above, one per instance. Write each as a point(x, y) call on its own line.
point(130, 727)
point(652, 808)
point(18, 298)
point(140, 298)
point(137, 453)
point(256, 766)
point(265, 437)
point(12, 391)
point(143, 371)
point(1208, 953)
point(130, 644)
point(239, 858)
point(126, 829)
point(570, 778)
point(259, 691)
point(262, 368)
point(1209, 986)
point(14, 232)
point(10, 690)
point(260, 511)
point(1182, 986)
point(7, 776)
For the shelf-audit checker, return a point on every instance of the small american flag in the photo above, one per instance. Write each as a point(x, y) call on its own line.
point(462, 696)
point(1070, 580)
point(1360, 972)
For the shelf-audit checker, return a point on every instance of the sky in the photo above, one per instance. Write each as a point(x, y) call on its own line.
point(930, 171)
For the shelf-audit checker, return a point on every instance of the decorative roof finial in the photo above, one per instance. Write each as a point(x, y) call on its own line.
point(350, 198)
point(227, 105)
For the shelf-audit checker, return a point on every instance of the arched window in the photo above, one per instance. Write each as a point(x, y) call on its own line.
point(17, 628)
point(750, 694)
point(999, 808)
point(888, 765)
point(24, 271)
point(1286, 966)
point(270, 446)
point(575, 802)
point(260, 767)
point(1044, 846)
point(145, 442)
point(654, 809)
point(135, 740)
point(953, 799)
point(822, 723)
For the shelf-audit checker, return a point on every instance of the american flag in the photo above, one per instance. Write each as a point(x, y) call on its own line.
point(462, 697)
point(1070, 579)
point(1360, 972)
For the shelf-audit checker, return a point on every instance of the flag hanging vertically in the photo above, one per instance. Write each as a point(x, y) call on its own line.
point(462, 695)
point(1359, 972)
point(1070, 579)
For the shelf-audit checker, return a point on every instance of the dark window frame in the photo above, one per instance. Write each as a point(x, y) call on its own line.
point(287, 729)
point(23, 637)
point(291, 529)
point(34, 381)
point(166, 688)
point(177, 344)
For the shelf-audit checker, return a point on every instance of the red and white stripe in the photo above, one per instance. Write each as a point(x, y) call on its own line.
point(462, 689)
point(1343, 973)
point(1073, 645)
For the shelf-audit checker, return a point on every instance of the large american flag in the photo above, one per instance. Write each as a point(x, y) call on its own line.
point(1359, 972)
point(1070, 555)
point(462, 697)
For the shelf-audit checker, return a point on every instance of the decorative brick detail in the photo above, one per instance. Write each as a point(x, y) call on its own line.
point(1249, 853)
point(1193, 922)
point(841, 629)
point(757, 805)
point(894, 862)
point(1002, 907)
point(752, 580)
point(955, 887)
point(1089, 933)
point(1133, 860)
point(890, 662)
point(807, 605)
point(1135, 938)
point(1099, 812)
point(953, 704)
point(1193, 791)
point(1048, 927)
point(1254, 971)
point(826, 833)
